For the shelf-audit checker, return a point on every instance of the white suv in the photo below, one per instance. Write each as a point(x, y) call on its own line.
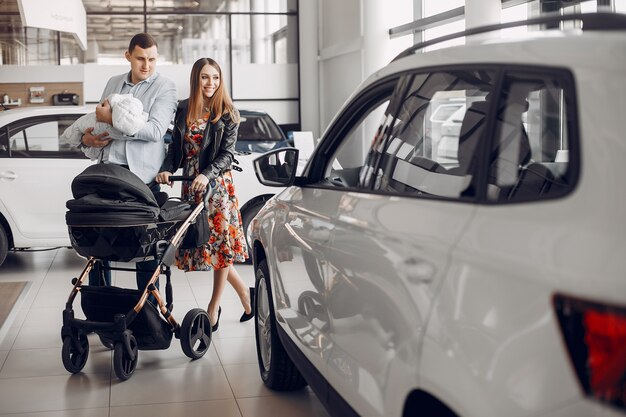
point(487, 283)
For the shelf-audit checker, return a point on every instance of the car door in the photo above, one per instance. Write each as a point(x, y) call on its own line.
point(392, 235)
point(36, 174)
point(497, 304)
point(300, 239)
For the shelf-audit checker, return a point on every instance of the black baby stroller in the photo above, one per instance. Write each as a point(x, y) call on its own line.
point(115, 217)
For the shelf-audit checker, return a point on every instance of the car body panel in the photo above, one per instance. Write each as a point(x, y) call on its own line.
point(302, 238)
point(385, 254)
point(49, 186)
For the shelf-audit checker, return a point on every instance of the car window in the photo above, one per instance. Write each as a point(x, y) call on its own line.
point(258, 128)
point(39, 137)
point(351, 164)
point(443, 111)
point(419, 154)
point(531, 153)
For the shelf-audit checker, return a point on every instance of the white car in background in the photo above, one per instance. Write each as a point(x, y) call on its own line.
point(36, 172)
point(486, 282)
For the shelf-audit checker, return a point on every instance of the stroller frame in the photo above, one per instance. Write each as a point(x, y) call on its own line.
point(194, 332)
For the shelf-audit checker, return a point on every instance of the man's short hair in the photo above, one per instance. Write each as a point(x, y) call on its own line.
point(142, 40)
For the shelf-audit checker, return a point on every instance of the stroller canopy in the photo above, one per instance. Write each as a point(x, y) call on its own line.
point(112, 182)
point(108, 194)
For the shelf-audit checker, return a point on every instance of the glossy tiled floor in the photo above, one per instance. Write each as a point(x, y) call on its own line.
point(224, 383)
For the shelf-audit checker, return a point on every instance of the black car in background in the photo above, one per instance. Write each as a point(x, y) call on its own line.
point(259, 133)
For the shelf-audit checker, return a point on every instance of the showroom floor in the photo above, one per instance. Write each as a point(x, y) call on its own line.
point(225, 382)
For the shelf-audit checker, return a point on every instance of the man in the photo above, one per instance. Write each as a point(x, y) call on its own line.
point(143, 152)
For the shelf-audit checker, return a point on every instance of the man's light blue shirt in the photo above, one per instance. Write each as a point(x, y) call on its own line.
point(144, 152)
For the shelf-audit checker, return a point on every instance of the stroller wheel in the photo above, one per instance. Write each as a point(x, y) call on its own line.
point(195, 333)
point(123, 365)
point(75, 353)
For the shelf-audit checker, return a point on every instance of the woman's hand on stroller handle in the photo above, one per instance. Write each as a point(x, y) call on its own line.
point(199, 183)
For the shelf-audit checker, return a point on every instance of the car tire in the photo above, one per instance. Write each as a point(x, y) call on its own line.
point(278, 371)
point(246, 219)
point(4, 245)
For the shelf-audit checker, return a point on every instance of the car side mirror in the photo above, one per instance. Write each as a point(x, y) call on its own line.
point(277, 168)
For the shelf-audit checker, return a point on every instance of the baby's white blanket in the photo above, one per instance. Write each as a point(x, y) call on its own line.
point(128, 118)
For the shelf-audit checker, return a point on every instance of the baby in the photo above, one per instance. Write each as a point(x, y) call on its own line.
point(128, 118)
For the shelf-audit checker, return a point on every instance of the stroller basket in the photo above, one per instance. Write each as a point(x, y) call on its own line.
point(101, 304)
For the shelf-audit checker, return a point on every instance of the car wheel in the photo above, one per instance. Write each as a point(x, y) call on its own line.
point(246, 219)
point(278, 372)
point(195, 333)
point(4, 245)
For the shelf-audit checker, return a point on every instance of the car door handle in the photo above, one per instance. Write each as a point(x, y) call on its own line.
point(8, 175)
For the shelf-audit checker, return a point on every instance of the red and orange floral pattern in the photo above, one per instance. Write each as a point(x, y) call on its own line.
point(227, 243)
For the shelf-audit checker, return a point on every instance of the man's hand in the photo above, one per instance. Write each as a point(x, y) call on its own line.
point(97, 141)
point(104, 113)
point(163, 177)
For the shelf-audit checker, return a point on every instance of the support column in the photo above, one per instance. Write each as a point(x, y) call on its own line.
point(309, 67)
point(377, 18)
point(482, 12)
point(257, 34)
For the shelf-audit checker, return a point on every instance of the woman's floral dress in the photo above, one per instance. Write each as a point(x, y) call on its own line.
point(227, 243)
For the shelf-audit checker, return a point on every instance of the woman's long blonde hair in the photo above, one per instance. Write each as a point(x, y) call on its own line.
point(219, 104)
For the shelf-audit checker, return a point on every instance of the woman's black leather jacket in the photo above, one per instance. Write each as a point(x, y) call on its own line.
point(218, 144)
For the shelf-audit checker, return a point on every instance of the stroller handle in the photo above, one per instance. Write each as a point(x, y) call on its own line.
point(209, 188)
point(181, 178)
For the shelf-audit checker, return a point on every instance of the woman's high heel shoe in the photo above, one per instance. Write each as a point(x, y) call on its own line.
point(217, 323)
point(245, 316)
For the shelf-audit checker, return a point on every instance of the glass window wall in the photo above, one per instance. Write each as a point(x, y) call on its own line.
point(114, 6)
point(108, 36)
point(185, 38)
point(251, 39)
point(264, 31)
point(234, 6)
point(265, 39)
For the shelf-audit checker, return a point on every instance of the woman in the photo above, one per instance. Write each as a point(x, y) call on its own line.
point(203, 143)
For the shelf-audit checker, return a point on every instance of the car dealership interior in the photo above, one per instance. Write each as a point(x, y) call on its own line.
point(305, 74)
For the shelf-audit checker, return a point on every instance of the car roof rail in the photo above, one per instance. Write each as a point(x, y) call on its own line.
point(590, 21)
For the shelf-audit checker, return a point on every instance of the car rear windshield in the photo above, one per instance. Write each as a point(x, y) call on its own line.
point(258, 128)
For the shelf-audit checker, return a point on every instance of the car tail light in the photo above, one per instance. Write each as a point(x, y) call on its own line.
point(595, 335)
